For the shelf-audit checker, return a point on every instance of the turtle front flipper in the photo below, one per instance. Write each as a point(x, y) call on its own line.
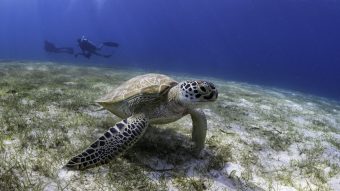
point(199, 129)
point(114, 142)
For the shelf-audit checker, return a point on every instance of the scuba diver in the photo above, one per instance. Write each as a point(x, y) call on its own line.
point(50, 47)
point(88, 48)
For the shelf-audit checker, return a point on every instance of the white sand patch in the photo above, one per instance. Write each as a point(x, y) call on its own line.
point(274, 93)
point(273, 160)
point(70, 83)
point(40, 114)
point(332, 154)
point(296, 107)
point(98, 112)
point(334, 183)
point(171, 187)
point(220, 182)
point(10, 142)
point(43, 68)
point(331, 120)
point(214, 120)
point(293, 106)
point(103, 86)
point(52, 186)
point(335, 135)
point(75, 133)
point(27, 102)
point(234, 168)
point(253, 116)
point(240, 130)
point(265, 107)
point(58, 91)
point(29, 68)
point(311, 105)
point(66, 175)
point(245, 103)
point(300, 121)
point(311, 134)
point(209, 113)
point(154, 176)
point(327, 170)
point(53, 110)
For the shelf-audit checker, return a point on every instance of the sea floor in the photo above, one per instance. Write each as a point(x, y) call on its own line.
point(258, 138)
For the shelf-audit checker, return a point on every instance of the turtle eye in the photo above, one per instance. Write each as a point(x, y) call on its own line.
point(203, 89)
point(212, 86)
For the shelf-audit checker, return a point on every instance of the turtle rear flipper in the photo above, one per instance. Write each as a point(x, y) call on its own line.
point(114, 142)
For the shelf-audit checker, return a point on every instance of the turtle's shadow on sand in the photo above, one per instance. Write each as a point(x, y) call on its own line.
point(167, 145)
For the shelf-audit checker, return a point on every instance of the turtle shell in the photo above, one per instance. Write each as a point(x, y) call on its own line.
point(156, 85)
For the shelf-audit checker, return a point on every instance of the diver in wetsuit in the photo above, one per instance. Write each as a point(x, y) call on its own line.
point(88, 48)
point(50, 47)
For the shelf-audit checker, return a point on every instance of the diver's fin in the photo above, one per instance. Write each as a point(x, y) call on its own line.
point(111, 44)
point(114, 142)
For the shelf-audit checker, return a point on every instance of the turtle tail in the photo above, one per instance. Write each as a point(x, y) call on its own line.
point(113, 143)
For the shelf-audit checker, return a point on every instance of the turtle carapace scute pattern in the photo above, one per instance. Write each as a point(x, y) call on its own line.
point(143, 100)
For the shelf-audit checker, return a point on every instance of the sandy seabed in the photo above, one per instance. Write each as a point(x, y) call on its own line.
point(258, 138)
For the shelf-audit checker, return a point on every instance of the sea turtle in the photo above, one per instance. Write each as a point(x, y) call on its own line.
point(143, 100)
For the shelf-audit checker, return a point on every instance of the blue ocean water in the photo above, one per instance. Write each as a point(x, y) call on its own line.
point(292, 44)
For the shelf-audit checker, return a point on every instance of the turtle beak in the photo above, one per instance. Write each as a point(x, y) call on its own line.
point(212, 96)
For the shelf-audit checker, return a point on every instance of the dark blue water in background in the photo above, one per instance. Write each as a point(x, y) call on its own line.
point(292, 44)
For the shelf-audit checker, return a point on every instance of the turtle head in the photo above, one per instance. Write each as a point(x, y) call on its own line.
point(198, 91)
